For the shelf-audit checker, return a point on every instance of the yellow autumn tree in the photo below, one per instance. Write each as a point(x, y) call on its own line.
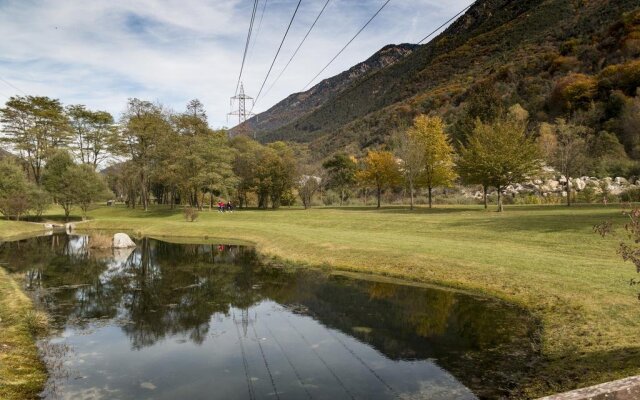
point(380, 170)
point(438, 155)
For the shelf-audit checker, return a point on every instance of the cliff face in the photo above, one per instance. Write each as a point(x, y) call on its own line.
point(300, 104)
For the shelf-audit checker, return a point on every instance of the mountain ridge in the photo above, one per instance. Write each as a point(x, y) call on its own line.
point(514, 46)
point(299, 104)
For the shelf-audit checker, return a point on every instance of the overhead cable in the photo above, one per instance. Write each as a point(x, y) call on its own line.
point(278, 52)
point(246, 46)
point(299, 46)
point(347, 45)
point(445, 24)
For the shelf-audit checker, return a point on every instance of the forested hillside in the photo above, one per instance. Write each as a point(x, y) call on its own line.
point(556, 58)
point(300, 104)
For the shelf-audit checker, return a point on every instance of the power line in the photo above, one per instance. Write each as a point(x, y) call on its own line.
point(253, 46)
point(13, 86)
point(298, 48)
point(346, 45)
point(279, 48)
point(246, 46)
point(443, 25)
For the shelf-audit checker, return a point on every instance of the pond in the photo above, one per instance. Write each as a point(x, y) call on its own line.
point(181, 321)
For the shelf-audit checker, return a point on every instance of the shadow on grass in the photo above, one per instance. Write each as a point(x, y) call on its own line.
point(574, 371)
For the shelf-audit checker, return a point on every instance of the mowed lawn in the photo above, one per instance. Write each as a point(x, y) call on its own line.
point(546, 258)
point(13, 229)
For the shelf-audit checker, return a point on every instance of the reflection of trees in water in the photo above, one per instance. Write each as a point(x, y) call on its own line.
point(161, 289)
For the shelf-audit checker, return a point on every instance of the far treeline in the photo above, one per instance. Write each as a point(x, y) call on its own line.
point(164, 157)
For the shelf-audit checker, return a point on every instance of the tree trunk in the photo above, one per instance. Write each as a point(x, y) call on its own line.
point(411, 194)
point(430, 201)
point(568, 192)
point(379, 192)
point(500, 206)
point(485, 188)
point(341, 196)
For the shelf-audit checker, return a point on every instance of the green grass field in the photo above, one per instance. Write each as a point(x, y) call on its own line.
point(547, 259)
point(12, 229)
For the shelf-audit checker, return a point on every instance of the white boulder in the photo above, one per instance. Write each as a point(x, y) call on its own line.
point(122, 241)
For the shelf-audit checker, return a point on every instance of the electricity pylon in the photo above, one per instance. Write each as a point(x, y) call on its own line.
point(241, 100)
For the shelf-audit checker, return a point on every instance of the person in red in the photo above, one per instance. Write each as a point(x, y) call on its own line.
point(221, 206)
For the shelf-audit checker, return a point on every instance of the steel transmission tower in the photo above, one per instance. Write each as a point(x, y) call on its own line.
point(240, 101)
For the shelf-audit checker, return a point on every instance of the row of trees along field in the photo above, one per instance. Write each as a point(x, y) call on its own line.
point(174, 158)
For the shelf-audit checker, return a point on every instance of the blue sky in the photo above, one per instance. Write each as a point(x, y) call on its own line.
point(100, 53)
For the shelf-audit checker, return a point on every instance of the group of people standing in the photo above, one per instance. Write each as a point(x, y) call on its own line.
point(223, 207)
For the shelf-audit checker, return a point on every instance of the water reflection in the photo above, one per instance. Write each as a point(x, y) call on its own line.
point(207, 321)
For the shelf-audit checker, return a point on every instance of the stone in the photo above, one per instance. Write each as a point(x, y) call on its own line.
point(122, 241)
point(621, 181)
point(48, 226)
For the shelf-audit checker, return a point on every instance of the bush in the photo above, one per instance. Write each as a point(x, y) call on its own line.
point(37, 322)
point(574, 91)
point(100, 241)
point(625, 77)
point(190, 214)
point(630, 195)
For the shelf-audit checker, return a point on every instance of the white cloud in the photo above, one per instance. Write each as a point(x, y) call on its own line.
point(100, 53)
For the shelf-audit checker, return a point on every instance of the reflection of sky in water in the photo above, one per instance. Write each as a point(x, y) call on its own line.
point(304, 359)
point(166, 321)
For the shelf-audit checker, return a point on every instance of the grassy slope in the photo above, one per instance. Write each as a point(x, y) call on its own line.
point(546, 258)
point(12, 229)
point(22, 374)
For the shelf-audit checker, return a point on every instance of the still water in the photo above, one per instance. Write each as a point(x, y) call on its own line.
point(180, 321)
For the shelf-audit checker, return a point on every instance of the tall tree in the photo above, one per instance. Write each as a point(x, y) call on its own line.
point(58, 181)
point(341, 171)
point(437, 153)
point(381, 171)
point(501, 152)
point(247, 154)
point(143, 127)
point(34, 127)
point(308, 185)
point(411, 159)
point(566, 150)
point(93, 133)
point(87, 186)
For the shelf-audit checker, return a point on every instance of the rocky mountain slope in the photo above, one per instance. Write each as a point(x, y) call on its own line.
point(300, 104)
point(524, 51)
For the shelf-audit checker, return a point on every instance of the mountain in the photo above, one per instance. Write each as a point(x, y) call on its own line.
point(300, 104)
point(530, 52)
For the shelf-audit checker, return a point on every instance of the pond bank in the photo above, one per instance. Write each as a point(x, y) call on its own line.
point(22, 373)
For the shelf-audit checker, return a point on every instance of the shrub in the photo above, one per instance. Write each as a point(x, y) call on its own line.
point(37, 321)
point(190, 214)
point(574, 91)
point(100, 241)
point(625, 77)
point(630, 195)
